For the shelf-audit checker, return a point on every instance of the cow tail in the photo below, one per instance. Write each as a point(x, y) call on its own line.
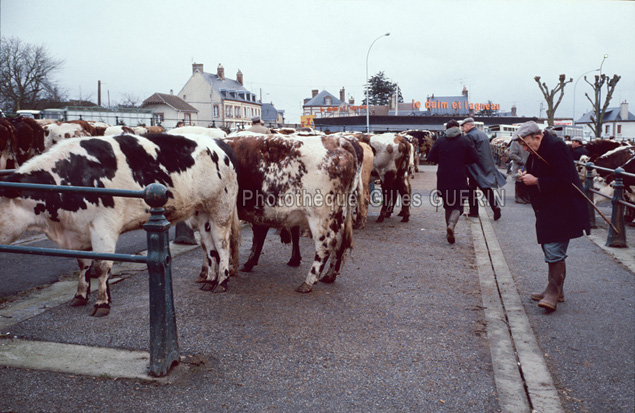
point(234, 241)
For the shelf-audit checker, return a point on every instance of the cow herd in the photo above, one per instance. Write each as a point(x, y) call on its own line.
point(297, 181)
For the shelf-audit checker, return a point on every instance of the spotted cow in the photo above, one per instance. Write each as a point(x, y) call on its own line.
point(306, 182)
point(199, 130)
point(390, 165)
point(58, 131)
point(199, 172)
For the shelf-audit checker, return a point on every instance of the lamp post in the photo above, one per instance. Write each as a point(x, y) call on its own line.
point(576, 83)
point(367, 102)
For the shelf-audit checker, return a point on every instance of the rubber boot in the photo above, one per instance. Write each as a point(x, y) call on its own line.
point(540, 296)
point(556, 280)
point(452, 220)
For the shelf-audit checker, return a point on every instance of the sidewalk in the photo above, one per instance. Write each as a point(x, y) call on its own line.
point(412, 324)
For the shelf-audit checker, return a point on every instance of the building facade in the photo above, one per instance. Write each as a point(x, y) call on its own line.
point(619, 123)
point(220, 101)
point(170, 109)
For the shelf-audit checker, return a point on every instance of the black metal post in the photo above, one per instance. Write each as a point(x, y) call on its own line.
point(617, 215)
point(164, 347)
point(588, 186)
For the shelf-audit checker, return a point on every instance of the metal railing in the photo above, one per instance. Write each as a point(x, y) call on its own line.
point(164, 349)
point(614, 239)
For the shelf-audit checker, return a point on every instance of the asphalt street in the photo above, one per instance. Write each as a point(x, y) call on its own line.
point(411, 324)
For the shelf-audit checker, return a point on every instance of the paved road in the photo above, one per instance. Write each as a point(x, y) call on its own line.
point(406, 327)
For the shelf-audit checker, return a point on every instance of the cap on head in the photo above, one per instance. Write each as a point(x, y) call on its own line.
point(451, 124)
point(526, 129)
point(576, 139)
point(255, 119)
point(467, 120)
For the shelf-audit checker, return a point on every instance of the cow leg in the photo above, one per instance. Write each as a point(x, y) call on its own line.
point(405, 191)
point(296, 258)
point(83, 284)
point(322, 237)
point(260, 233)
point(221, 239)
point(102, 305)
point(208, 275)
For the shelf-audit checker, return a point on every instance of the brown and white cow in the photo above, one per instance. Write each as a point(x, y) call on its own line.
point(391, 163)
point(307, 182)
point(199, 130)
point(58, 131)
point(20, 140)
point(199, 172)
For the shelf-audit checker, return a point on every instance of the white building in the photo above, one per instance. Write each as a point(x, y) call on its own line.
point(220, 101)
point(170, 109)
point(619, 123)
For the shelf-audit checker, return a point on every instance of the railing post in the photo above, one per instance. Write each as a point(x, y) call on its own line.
point(588, 186)
point(164, 347)
point(617, 215)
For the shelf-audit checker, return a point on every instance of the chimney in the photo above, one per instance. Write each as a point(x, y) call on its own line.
point(314, 93)
point(239, 77)
point(197, 66)
point(342, 95)
point(351, 100)
point(464, 91)
point(624, 110)
point(171, 91)
point(514, 110)
point(220, 71)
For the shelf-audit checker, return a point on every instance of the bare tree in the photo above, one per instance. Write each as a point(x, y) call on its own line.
point(599, 109)
point(25, 75)
point(129, 100)
point(550, 96)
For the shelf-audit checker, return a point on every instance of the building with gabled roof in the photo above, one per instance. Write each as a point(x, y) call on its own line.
point(272, 117)
point(168, 109)
point(619, 123)
point(220, 101)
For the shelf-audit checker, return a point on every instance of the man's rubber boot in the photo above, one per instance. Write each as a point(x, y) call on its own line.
point(452, 220)
point(540, 296)
point(552, 293)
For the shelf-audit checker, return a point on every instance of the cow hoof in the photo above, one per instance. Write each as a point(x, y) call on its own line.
point(294, 263)
point(100, 310)
point(247, 267)
point(380, 219)
point(222, 287)
point(209, 286)
point(405, 219)
point(78, 301)
point(304, 288)
point(328, 279)
point(200, 280)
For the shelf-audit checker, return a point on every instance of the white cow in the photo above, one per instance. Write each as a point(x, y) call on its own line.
point(199, 173)
point(199, 130)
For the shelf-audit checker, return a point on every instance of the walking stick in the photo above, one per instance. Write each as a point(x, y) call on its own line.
point(574, 185)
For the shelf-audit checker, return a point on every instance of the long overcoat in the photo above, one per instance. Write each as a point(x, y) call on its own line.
point(561, 212)
point(484, 172)
point(452, 152)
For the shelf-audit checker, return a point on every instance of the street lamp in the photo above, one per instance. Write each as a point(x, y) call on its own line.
point(583, 74)
point(367, 102)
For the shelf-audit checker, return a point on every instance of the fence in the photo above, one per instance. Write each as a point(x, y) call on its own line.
point(614, 239)
point(164, 349)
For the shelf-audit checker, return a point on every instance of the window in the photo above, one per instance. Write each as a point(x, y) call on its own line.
point(237, 112)
point(215, 111)
point(619, 128)
point(608, 127)
point(158, 118)
point(328, 100)
point(187, 117)
point(228, 111)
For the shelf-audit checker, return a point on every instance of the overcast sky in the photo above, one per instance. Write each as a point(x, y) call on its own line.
point(287, 48)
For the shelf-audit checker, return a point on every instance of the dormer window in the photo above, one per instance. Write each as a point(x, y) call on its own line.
point(328, 100)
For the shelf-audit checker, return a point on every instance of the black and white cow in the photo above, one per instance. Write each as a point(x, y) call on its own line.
point(199, 173)
point(306, 182)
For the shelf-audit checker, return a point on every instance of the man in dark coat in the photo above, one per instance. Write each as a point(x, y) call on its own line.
point(561, 212)
point(483, 174)
point(453, 152)
point(578, 149)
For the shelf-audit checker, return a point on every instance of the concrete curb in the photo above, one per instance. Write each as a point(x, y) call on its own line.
point(535, 377)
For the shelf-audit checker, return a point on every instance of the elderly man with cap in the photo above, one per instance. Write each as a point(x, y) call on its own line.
point(577, 148)
point(482, 174)
point(561, 212)
point(257, 126)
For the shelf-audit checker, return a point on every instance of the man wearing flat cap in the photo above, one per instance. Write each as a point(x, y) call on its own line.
point(561, 212)
point(577, 148)
point(257, 126)
point(482, 174)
